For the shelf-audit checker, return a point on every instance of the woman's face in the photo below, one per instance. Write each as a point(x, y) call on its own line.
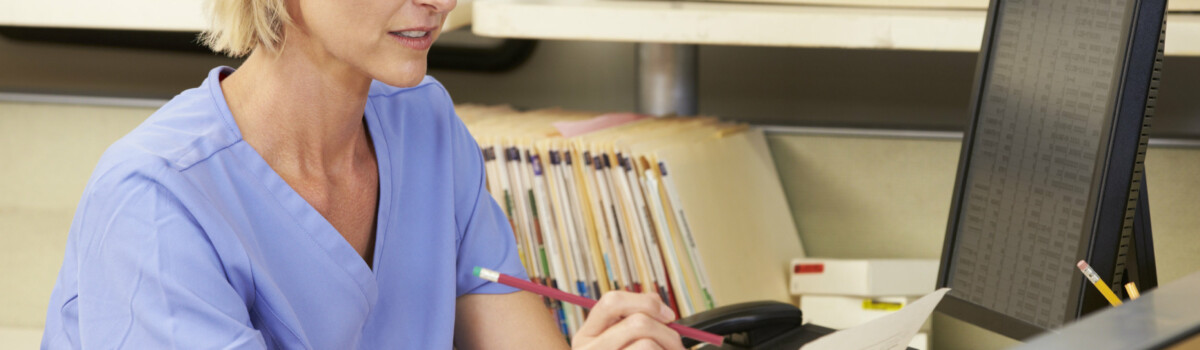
point(387, 40)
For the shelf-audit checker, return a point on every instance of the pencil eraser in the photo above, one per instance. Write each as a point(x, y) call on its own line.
point(476, 271)
point(1082, 265)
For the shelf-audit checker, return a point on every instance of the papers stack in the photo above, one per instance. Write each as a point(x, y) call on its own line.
point(690, 209)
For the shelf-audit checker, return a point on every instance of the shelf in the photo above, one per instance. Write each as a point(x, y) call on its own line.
point(1173, 5)
point(460, 17)
point(174, 15)
point(157, 15)
point(658, 21)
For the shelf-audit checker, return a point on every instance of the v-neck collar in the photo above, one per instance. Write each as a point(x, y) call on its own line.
point(308, 218)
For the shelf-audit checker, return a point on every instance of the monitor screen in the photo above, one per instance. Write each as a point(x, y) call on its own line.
point(1041, 126)
point(1035, 161)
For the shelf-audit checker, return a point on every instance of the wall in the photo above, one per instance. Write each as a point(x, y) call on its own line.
point(48, 151)
point(856, 197)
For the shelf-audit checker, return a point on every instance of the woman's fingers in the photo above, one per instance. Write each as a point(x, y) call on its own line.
point(644, 344)
point(623, 320)
point(615, 306)
point(638, 331)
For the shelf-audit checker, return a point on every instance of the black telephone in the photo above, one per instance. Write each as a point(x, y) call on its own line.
point(756, 325)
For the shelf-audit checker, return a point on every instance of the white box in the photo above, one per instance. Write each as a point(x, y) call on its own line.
point(841, 312)
point(864, 278)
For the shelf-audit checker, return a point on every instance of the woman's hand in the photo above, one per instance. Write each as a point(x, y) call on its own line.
point(624, 320)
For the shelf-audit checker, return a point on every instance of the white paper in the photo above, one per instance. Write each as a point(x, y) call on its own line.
point(891, 332)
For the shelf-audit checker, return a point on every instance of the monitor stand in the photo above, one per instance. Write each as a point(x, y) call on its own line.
point(1139, 257)
point(1134, 261)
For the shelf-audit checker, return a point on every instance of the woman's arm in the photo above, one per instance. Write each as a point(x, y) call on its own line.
point(505, 321)
point(146, 276)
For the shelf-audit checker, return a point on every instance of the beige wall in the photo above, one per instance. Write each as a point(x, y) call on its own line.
point(852, 197)
point(855, 197)
point(47, 152)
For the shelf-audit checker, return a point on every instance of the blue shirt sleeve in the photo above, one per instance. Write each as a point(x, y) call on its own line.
point(149, 278)
point(485, 236)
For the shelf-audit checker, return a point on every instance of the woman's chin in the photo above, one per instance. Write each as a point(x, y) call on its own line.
point(403, 77)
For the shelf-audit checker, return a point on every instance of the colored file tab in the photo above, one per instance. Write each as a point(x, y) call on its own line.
point(809, 268)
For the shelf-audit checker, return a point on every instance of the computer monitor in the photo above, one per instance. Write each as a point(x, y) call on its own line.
point(1051, 166)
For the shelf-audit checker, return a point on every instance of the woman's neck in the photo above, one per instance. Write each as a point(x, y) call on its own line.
point(302, 111)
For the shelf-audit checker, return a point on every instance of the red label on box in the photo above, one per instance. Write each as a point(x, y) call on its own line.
point(809, 268)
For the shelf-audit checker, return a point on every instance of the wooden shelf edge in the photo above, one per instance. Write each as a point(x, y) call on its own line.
point(664, 21)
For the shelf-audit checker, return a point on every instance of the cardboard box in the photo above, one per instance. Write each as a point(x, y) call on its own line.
point(863, 278)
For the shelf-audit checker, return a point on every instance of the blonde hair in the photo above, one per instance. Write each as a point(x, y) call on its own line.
point(237, 27)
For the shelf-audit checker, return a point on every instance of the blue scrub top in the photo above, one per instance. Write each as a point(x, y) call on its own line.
point(185, 238)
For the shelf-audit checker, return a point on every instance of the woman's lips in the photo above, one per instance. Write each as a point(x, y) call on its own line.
point(416, 39)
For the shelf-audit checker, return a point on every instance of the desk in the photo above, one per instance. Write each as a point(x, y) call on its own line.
point(1165, 316)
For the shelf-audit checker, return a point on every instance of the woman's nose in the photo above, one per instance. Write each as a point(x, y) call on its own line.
point(440, 6)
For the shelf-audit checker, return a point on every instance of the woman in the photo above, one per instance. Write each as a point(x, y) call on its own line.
point(322, 196)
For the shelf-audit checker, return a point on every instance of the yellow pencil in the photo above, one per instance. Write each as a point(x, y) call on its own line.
point(1099, 283)
point(1132, 290)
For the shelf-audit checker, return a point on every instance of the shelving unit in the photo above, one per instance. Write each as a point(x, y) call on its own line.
point(728, 24)
point(674, 27)
point(725, 23)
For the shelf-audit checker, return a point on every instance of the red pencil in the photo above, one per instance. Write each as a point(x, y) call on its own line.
point(585, 302)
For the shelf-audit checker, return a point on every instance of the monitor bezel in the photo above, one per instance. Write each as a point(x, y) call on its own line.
point(1111, 158)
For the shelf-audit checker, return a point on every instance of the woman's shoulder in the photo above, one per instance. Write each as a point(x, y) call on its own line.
point(155, 153)
point(149, 166)
point(189, 128)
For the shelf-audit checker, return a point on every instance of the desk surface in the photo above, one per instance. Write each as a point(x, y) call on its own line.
point(1161, 317)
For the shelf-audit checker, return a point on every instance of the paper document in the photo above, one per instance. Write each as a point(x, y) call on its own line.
point(890, 332)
